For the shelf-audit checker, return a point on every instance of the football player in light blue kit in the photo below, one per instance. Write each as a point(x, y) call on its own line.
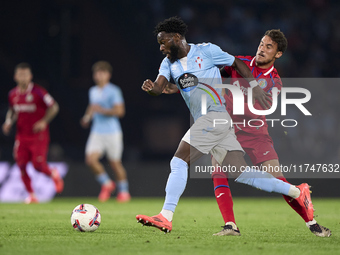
point(105, 108)
point(195, 72)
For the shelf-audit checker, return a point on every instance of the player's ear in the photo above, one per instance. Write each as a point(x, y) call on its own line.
point(177, 37)
point(278, 54)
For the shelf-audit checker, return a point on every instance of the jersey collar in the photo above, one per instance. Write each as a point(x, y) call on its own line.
point(269, 69)
point(28, 90)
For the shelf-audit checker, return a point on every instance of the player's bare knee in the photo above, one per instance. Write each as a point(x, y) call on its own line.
point(90, 161)
point(116, 164)
point(235, 158)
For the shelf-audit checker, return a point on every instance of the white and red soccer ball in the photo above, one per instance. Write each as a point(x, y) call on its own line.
point(85, 218)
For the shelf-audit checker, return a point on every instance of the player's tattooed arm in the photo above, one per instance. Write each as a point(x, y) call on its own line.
point(11, 118)
point(259, 94)
point(51, 112)
point(155, 88)
point(170, 88)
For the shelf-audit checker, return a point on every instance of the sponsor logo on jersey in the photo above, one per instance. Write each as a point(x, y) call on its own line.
point(262, 83)
point(25, 107)
point(187, 80)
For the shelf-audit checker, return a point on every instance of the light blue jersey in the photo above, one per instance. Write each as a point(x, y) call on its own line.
point(106, 97)
point(197, 74)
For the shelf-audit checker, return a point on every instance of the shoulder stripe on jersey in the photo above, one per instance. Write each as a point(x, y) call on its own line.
point(271, 77)
point(253, 69)
point(258, 75)
point(245, 59)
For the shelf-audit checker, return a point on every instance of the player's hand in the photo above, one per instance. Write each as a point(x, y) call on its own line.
point(85, 121)
point(39, 126)
point(96, 108)
point(6, 128)
point(263, 97)
point(147, 85)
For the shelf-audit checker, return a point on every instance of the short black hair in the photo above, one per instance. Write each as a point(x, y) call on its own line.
point(277, 36)
point(172, 25)
point(22, 65)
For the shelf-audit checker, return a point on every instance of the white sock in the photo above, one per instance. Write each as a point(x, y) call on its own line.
point(167, 214)
point(310, 223)
point(294, 192)
point(232, 224)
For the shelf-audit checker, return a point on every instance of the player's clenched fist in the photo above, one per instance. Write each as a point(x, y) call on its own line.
point(6, 128)
point(147, 85)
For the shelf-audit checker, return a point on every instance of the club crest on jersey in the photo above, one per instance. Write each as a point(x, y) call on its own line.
point(187, 80)
point(29, 98)
point(199, 61)
point(262, 83)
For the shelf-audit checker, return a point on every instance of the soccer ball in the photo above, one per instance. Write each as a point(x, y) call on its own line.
point(85, 218)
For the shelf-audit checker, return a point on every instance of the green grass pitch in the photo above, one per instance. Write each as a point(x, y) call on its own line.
point(267, 225)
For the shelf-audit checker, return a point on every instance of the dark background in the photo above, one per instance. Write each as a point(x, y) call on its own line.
point(61, 39)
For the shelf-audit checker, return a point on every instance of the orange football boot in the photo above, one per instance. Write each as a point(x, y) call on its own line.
point(305, 200)
point(157, 221)
point(106, 191)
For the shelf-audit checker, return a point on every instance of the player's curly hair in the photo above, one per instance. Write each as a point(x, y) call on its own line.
point(277, 36)
point(172, 25)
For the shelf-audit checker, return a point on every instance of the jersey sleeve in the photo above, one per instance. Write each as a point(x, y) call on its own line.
point(10, 102)
point(164, 69)
point(228, 70)
point(219, 56)
point(117, 96)
point(45, 96)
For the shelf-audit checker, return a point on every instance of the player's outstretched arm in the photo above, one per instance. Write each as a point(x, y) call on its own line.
point(258, 93)
point(51, 112)
point(170, 88)
point(155, 88)
point(10, 120)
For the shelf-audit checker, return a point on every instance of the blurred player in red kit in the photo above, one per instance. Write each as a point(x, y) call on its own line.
point(33, 109)
point(256, 141)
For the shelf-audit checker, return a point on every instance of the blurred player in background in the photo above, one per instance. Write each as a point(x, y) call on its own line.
point(256, 141)
point(33, 109)
point(106, 106)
